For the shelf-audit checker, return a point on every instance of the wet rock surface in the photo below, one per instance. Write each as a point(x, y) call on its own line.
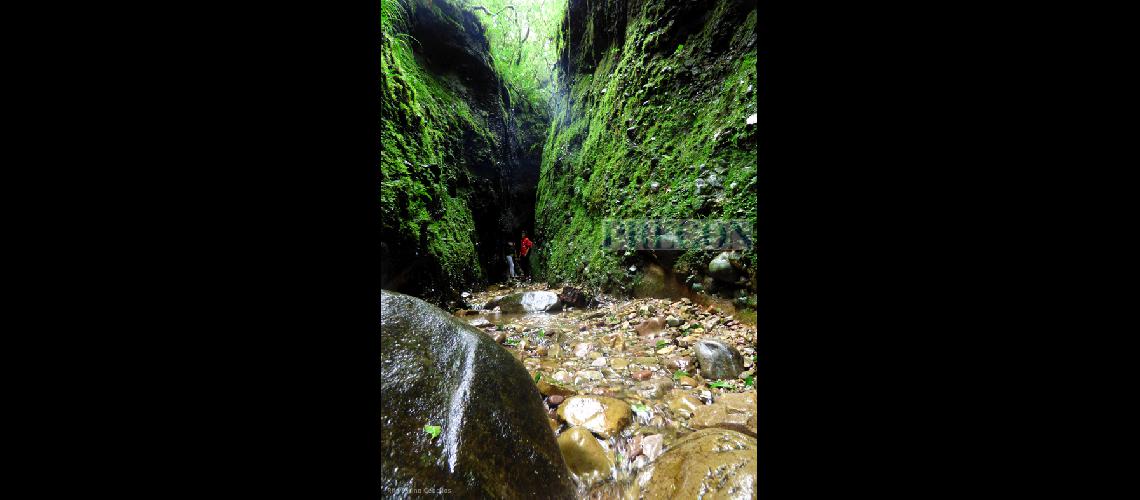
point(731, 411)
point(708, 464)
point(583, 453)
point(495, 438)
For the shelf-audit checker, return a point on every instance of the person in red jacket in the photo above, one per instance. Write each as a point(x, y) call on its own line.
point(524, 248)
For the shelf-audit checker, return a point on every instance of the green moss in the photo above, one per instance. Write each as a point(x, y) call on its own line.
point(640, 116)
point(427, 121)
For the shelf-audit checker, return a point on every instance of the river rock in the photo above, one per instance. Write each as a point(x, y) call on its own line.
point(583, 453)
point(546, 388)
point(652, 446)
point(707, 464)
point(721, 268)
point(718, 359)
point(650, 326)
point(538, 301)
point(480, 322)
point(574, 297)
point(603, 415)
point(731, 411)
point(437, 370)
point(684, 404)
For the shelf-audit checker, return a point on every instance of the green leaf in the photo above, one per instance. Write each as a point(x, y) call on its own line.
point(721, 384)
point(541, 333)
point(660, 344)
point(680, 373)
point(640, 408)
point(537, 377)
point(748, 381)
point(513, 341)
point(434, 430)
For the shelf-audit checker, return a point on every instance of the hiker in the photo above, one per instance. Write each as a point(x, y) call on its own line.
point(510, 259)
point(524, 248)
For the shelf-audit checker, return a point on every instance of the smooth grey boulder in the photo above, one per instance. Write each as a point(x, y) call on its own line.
point(718, 359)
point(494, 437)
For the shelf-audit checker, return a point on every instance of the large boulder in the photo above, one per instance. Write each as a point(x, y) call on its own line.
point(708, 464)
point(494, 438)
point(539, 301)
point(718, 359)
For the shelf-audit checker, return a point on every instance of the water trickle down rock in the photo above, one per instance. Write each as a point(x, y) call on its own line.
point(496, 439)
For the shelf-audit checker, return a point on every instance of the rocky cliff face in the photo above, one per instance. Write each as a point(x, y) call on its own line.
point(657, 121)
point(452, 152)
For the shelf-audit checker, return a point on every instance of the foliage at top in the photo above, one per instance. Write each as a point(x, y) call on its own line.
point(522, 38)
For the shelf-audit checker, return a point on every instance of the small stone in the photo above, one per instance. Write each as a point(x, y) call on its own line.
point(479, 322)
point(666, 350)
point(591, 375)
point(642, 375)
point(688, 381)
point(619, 363)
point(500, 337)
point(555, 400)
point(554, 351)
point(582, 349)
point(599, 362)
point(673, 320)
point(595, 355)
point(652, 446)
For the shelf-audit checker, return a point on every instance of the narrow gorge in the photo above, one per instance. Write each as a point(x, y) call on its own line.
point(568, 207)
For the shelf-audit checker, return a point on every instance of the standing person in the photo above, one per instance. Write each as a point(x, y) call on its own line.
point(524, 248)
point(511, 259)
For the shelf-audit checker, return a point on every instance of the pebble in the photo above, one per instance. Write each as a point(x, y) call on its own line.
point(642, 375)
point(555, 400)
point(582, 349)
point(599, 362)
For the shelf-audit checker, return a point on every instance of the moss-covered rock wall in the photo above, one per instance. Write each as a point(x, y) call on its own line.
point(656, 121)
point(452, 155)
